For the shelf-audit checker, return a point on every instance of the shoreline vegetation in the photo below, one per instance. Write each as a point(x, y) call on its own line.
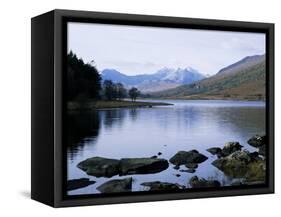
point(242, 166)
point(88, 91)
point(108, 104)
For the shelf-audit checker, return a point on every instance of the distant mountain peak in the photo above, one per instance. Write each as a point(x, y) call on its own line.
point(163, 77)
point(110, 71)
point(189, 68)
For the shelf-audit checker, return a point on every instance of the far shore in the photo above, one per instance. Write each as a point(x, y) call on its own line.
point(143, 102)
point(108, 104)
point(211, 97)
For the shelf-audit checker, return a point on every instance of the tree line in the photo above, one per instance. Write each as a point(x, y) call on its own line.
point(84, 82)
point(113, 91)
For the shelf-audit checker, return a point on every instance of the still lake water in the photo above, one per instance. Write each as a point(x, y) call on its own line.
point(143, 132)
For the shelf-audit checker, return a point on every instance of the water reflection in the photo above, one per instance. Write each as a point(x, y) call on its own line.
point(133, 114)
point(112, 117)
point(143, 132)
point(214, 122)
point(81, 128)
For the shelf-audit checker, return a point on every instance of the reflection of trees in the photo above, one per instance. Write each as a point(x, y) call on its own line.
point(80, 126)
point(113, 117)
point(84, 126)
point(133, 114)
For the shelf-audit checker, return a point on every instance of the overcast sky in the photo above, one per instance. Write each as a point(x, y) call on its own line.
point(143, 50)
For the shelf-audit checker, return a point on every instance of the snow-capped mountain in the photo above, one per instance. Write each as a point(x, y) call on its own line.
point(182, 76)
point(163, 79)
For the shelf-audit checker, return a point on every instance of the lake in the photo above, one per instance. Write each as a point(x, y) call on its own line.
point(143, 132)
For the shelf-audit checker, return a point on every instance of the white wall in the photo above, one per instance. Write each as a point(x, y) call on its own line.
point(15, 106)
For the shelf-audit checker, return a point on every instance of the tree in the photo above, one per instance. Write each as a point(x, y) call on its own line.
point(109, 89)
point(83, 79)
point(134, 93)
point(112, 91)
point(121, 92)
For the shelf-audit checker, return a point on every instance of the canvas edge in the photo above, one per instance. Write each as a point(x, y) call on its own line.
point(59, 201)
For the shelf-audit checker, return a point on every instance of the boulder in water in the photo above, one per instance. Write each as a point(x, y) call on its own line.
point(188, 157)
point(116, 186)
point(162, 186)
point(74, 184)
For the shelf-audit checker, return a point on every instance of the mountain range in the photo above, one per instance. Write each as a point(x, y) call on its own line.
point(163, 79)
point(244, 79)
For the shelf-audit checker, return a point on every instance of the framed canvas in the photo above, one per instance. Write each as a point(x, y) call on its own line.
point(134, 108)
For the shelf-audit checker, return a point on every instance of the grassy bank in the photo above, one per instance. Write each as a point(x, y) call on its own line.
point(102, 104)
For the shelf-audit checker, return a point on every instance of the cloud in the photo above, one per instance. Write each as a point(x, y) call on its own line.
point(131, 66)
point(138, 50)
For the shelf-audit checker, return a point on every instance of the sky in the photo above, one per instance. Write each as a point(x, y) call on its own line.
point(136, 50)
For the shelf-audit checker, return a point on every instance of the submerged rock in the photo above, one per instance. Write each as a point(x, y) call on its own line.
point(215, 150)
point(156, 186)
point(142, 165)
point(187, 157)
point(191, 165)
point(116, 186)
point(257, 141)
point(195, 182)
point(188, 171)
point(100, 167)
point(230, 147)
point(78, 183)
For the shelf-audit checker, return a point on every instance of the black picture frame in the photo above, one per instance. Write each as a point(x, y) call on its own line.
point(48, 48)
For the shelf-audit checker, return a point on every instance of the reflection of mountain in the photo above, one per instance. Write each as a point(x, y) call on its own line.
point(244, 79)
point(163, 79)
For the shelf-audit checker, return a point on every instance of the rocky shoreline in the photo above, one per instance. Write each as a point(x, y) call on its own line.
point(234, 161)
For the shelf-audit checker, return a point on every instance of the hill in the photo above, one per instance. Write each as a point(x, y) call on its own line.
point(163, 79)
point(242, 64)
point(244, 80)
